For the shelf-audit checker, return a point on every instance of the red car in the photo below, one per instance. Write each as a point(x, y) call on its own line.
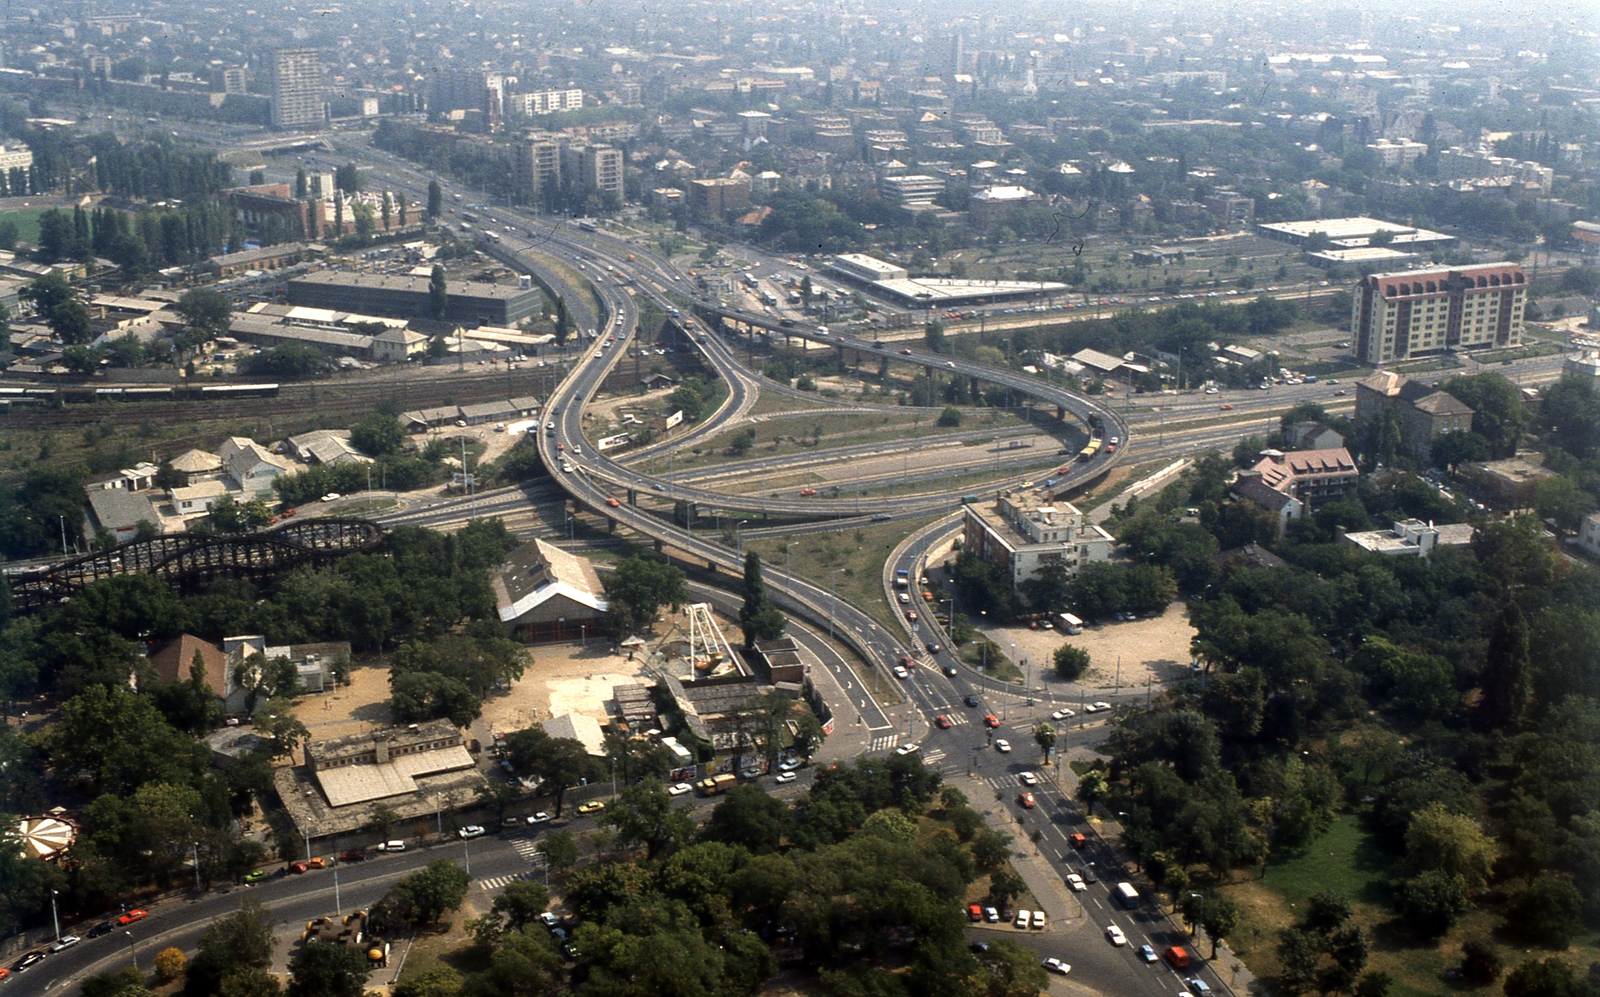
point(298, 867)
point(1026, 799)
point(807, 492)
point(1225, 408)
point(991, 721)
point(137, 914)
point(911, 614)
point(287, 513)
point(942, 722)
point(613, 503)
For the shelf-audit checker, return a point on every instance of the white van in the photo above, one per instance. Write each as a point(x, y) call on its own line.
point(392, 846)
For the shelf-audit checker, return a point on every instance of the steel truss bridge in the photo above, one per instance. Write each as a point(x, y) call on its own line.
point(188, 560)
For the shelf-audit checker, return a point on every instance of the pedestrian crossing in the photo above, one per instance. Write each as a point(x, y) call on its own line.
point(496, 882)
point(930, 757)
point(884, 742)
point(528, 848)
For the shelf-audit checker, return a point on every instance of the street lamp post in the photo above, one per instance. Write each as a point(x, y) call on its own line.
point(132, 955)
point(54, 917)
point(438, 813)
point(737, 543)
point(1200, 914)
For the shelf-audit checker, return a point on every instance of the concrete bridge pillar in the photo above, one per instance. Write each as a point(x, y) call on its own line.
point(633, 497)
point(659, 546)
point(1061, 413)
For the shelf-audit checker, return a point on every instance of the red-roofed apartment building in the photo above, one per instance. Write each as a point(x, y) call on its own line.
point(1422, 312)
point(1293, 484)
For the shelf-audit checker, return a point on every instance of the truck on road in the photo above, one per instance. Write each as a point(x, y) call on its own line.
point(1126, 895)
point(902, 578)
point(717, 784)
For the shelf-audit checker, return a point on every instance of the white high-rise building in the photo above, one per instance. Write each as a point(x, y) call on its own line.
point(297, 88)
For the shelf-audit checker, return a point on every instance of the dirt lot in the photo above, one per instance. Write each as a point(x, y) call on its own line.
point(562, 678)
point(1156, 650)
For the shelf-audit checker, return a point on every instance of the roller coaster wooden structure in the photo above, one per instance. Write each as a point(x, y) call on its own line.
point(186, 560)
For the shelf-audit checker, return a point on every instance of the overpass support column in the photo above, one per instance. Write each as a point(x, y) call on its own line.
point(611, 525)
point(659, 546)
point(633, 497)
point(1061, 413)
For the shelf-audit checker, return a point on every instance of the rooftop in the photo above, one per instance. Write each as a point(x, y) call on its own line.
point(405, 283)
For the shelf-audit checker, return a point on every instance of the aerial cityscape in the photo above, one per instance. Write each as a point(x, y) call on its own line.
point(675, 500)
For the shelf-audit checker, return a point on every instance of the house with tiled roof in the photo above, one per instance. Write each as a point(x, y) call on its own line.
point(1308, 477)
point(1423, 411)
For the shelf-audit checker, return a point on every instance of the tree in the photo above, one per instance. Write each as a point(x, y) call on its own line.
point(1480, 960)
point(637, 590)
point(326, 969)
point(436, 981)
point(1546, 978)
point(435, 200)
point(1451, 450)
point(559, 849)
point(1004, 886)
point(1374, 984)
point(758, 618)
point(521, 903)
point(1548, 913)
point(1437, 839)
point(205, 310)
point(1071, 662)
point(438, 293)
point(1432, 901)
point(563, 325)
point(805, 290)
point(748, 816)
point(1220, 919)
point(347, 178)
point(1298, 956)
point(1498, 413)
point(950, 417)
point(427, 895)
point(1044, 736)
point(378, 435)
point(558, 761)
point(933, 335)
point(645, 815)
point(1563, 501)
point(58, 305)
point(241, 940)
point(170, 963)
point(1326, 912)
point(1507, 672)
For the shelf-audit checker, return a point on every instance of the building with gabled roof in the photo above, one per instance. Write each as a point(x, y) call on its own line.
point(578, 727)
point(1312, 477)
point(173, 662)
point(1423, 411)
point(544, 593)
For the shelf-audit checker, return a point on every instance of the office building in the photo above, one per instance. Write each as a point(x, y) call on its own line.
point(1310, 478)
point(544, 102)
point(456, 89)
point(405, 296)
point(1024, 530)
point(296, 88)
point(234, 80)
point(1420, 312)
point(910, 191)
point(535, 166)
point(719, 195)
point(598, 167)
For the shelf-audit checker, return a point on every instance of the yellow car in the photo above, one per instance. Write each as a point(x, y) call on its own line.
point(592, 807)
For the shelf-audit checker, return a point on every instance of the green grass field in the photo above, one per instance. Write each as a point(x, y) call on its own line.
point(27, 222)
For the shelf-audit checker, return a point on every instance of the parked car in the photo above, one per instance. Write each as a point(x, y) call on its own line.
point(1115, 936)
point(298, 867)
point(539, 818)
point(1022, 919)
point(353, 855)
point(676, 789)
point(103, 928)
point(257, 875)
point(66, 942)
point(471, 831)
point(784, 777)
point(137, 914)
point(1056, 966)
point(592, 807)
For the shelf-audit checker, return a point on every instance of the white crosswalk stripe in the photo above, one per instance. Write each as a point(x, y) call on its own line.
point(528, 848)
point(496, 882)
point(932, 756)
point(884, 742)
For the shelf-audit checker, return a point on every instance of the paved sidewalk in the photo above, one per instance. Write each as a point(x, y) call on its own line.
point(1058, 902)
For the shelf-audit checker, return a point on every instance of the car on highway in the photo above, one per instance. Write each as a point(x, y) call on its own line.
point(932, 647)
point(577, 451)
point(137, 914)
point(1115, 936)
point(905, 749)
point(471, 831)
point(613, 503)
point(1028, 779)
point(539, 818)
point(1198, 987)
point(1002, 745)
point(592, 807)
point(1076, 882)
point(901, 673)
point(911, 614)
point(66, 942)
point(991, 721)
point(1147, 953)
point(951, 364)
point(331, 497)
point(257, 875)
point(679, 788)
point(1027, 801)
point(31, 959)
point(942, 722)
point(950, 670)
point(1056, 966)
point(1224, 407)
point(1097, 707)
point(784, 777)
point(1062, 714)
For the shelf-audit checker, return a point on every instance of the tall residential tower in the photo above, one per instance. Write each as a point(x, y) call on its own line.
point(297, 88)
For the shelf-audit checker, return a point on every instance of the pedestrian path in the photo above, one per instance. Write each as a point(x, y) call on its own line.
point(496, 882)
